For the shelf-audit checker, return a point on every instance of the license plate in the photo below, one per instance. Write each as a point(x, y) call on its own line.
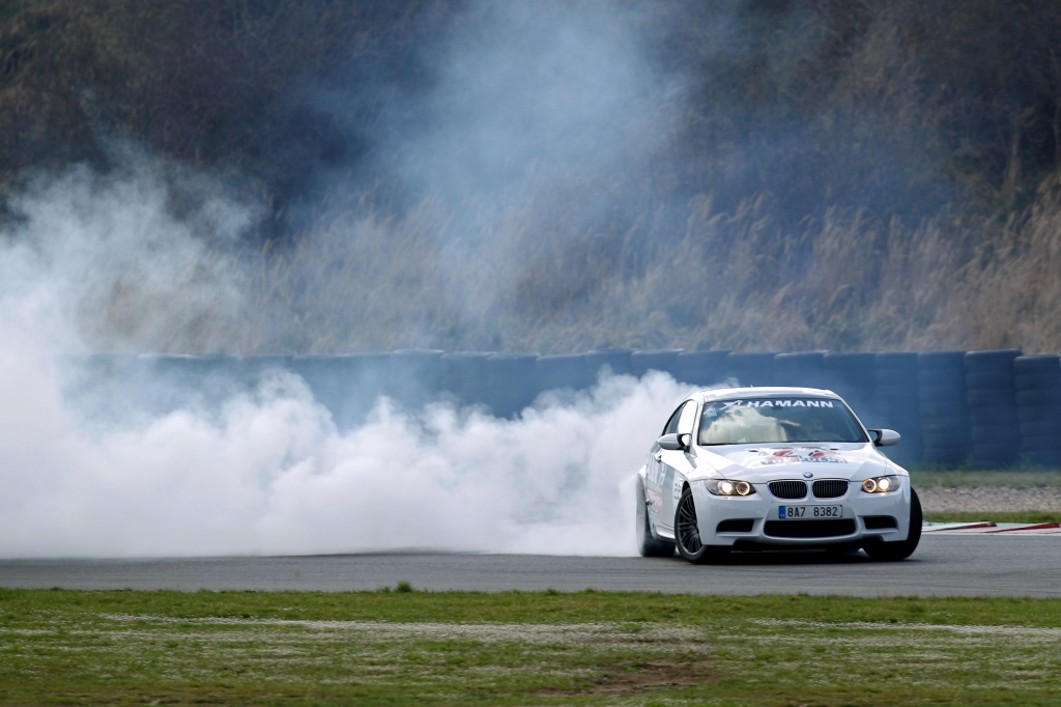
point(809, 512)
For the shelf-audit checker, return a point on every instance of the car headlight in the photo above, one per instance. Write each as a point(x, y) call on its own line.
point(882, 484)
point(725, 487)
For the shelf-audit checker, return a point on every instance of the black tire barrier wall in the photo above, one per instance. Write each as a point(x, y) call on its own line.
point(563, 372)
point(463, 377)
point(1037, 380)
point(991, 393)
point(896, 402)
point(755, 368)
point(701, 367)
point(512, 383)
point(804, 368)
point(943, 407)
point(987, 409)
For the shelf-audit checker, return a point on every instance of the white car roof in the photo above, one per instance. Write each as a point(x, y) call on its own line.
point(760, 392)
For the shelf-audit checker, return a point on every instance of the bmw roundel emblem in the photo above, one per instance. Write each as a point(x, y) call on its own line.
point(808, 475)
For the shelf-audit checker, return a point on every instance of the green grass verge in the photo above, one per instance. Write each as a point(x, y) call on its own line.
point(396, 647)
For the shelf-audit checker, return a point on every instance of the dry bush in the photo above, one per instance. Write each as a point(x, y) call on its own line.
point(843, 176)
point(1013, 286)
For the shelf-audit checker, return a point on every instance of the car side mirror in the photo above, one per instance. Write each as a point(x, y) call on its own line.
point(675, 442)
point(885, 437)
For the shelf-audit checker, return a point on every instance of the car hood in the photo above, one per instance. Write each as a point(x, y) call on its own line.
point(760, 463)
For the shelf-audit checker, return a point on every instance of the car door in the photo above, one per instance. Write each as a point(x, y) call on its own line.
point(671, 466)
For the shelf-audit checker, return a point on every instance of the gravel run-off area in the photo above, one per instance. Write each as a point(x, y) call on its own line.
point(990, 499)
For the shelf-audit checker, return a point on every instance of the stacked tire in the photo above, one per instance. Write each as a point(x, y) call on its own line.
point(663, 360)
point(990, 387)
point(804, 368)
point(563, 372)
point(347, 385)
point(701, 368)
point(415, 376)
point(609, 361)
point(896, 404)
point(943, 409)
point(853, 377)
point(1038, 383)
point(464, 376)
point(158, 384)
point(751, 368)
point(512, 383)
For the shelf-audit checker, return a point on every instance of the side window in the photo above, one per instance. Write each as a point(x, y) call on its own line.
point(687, 419)
point(681, 420)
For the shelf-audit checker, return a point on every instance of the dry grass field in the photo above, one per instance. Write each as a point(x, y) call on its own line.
point(473, 175)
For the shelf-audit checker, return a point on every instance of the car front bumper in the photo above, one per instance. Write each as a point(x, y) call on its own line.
point(764, 520)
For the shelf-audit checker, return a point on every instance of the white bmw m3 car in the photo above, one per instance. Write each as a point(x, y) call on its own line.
point(773, 468)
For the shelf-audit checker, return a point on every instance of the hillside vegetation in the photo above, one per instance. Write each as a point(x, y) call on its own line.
point(559, 176)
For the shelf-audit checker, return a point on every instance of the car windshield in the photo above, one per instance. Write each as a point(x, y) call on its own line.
point(778, 419)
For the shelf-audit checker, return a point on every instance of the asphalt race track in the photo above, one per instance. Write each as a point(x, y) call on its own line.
point(970, 565)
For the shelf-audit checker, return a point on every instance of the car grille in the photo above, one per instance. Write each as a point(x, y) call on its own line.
point(788, 489)
point(809, 528)
point(830, 488)
point(823, 488)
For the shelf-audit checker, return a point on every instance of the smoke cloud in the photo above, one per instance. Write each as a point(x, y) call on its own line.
point(531, 135)
point(153, 258)
point(143, 255)
point(269, 473)
point(130, 464)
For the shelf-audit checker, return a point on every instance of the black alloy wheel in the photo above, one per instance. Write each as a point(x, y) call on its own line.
point(687, 532)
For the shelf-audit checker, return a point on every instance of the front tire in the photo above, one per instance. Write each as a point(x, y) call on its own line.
point(893, 552)
point(647, 543)
point(687, 532)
